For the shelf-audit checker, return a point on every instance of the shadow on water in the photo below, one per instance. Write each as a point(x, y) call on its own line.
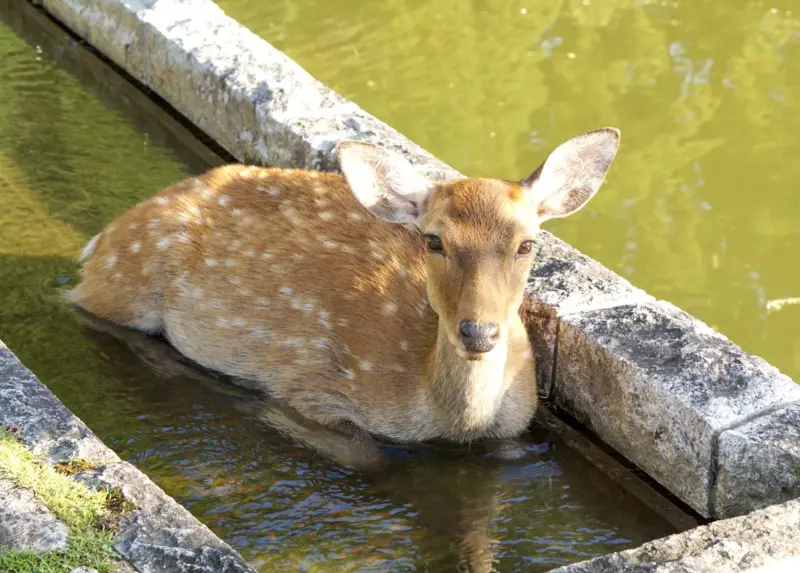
point(78, 146)
point(433, 507)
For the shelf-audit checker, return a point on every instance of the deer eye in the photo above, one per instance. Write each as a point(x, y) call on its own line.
point(433, 243)
point(525, 248)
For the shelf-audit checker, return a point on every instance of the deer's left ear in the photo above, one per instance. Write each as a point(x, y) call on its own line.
point(572, 174)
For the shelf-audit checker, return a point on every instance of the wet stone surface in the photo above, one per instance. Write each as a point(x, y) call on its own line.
point(26, 524)
point(759, 463)
point(658, 385)
point(769, 537)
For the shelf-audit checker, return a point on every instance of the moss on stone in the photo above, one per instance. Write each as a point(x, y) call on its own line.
point(86, 513)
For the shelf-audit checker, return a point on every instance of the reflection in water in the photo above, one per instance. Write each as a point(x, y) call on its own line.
point(700, 207)
point(77, 150)
point(435, 506)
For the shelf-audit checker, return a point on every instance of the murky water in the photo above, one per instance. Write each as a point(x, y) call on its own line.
point(76, 149)
point(701, 206)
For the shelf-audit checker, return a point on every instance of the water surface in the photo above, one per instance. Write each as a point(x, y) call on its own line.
point(701, 206)
point(76, 149)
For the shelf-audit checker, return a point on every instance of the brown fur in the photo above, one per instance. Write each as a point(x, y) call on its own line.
point(285, 278)
point(350, 341)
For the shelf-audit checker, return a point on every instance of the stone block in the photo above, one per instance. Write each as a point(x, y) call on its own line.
point(659, 386)
point(759, 463)
point(44, 423)
point(564, 281)
point(765, 541)
point(26, 524)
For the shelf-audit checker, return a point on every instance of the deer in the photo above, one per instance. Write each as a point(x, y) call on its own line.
point(375, 302)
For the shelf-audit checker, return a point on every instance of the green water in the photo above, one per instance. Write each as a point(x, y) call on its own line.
point(701, 206)
point(77, 147)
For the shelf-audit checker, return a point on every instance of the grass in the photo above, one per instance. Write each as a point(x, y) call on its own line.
point(87, 514)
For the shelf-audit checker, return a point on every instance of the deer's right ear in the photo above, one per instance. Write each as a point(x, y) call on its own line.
point(384, 182)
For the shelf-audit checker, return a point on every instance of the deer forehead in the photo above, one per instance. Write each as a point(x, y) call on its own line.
point(480, 212)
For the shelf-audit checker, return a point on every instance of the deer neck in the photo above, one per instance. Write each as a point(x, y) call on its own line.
point(466, 393)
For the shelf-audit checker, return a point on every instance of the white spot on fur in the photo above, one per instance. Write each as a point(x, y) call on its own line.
point(390, 308)
point(235, 280)
point(298, 256)
point(161, 201)
point(249, 253)
point(197, 293)
point(162, 243)
point(397, 368)
point(321, 203)
point(153, 223)
point(354, 216)
point(273, 191)
point(223, 200)
point(132, 226)
point(342, 322)
point(287, 291)
point(261, 302)
point(403, 272)
point(236, 212)
point(184, 238)
point(229, 263)
point(366, 366)
point(222, 322)
point(238, 322)
point(207, 193)
point(261, 332)
point(290, 213)
point(320, 343)
point(245, 172)
point(211, 262)
point(326, 215)
point(245, 291)
point(267, 255)
point(292, 341)
point(527, 354)
point(348, 249)
point(349, 374)
point(217, 304)
point(330, 244)
point(136, 246)
point(404, 345)
point(111, 260)
point(324, 319)
point(88, 250)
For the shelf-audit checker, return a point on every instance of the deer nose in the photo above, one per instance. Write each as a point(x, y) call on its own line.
point(478, 336)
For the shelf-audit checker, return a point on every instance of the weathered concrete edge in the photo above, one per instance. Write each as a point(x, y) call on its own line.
point(262, 107)
point(158, 536)
point(765, 540)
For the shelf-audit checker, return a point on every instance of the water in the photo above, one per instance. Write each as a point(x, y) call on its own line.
point(77, 147)
point(701, 206)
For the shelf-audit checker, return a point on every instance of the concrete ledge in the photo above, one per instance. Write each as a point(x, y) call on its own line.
point(160, 535)
point(660, 386)
point(606, 364)
point(759, 461)
point(765, 541)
